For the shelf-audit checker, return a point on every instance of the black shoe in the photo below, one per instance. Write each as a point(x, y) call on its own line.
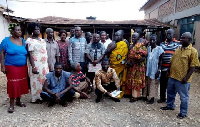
point(180, 116)
point(98, 100)
point(151, 101)
point(115, 99)
point(166, 108)
point(51, 104)
point(161, 101)
point(133, 99)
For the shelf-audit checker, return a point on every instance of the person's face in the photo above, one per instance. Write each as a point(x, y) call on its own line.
point(58, 69)
point(105, 65)
point(96, 38)
point(118, 36)
point(89, 36)
point(185, 40)
point(78, 68)
point(63, 36)
point(50, 33)
point(135, 38)
point(103, 36)
point(17, 31)
point(153, 40)
point(78, 31)
point(72, 32)
point(36, 31)
point(169, 35)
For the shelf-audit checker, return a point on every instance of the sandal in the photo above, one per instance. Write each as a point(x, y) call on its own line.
point(11, 110)
point(20, 104)
point(133, 99)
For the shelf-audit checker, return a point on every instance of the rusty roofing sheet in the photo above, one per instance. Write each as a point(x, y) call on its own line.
point(61, 20)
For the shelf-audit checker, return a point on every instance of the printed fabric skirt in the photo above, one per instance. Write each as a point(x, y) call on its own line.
point(17, 81)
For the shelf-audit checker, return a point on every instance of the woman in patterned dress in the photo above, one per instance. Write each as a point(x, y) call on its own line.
point(136, 67)
point(63, 48)
point(38, 61)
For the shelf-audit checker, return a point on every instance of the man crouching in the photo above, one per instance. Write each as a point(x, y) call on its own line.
point(105, 81)
point(57, 86)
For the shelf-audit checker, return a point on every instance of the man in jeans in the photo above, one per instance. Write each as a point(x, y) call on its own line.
point(183, 64)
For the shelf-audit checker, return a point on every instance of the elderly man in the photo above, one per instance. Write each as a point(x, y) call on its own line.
point(106, 80)
point(76, 48)
point(169, 47)
point(94, 52)
point(52, 49)
point(57, 86)
point(183, 64)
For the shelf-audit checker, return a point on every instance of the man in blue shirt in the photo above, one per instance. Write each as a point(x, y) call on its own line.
point(57, 86)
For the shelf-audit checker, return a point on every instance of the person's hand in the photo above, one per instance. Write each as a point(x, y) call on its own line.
point(94, 63)
point(118, 89)
point(84, 95)
point(34, 71)
point(3, 69)
point(184, 80)
point(57, 95)
point(157, 74)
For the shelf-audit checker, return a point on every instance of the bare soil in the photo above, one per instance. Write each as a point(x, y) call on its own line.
point(107, 113)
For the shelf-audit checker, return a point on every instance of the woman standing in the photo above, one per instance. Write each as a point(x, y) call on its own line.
point(136, 67)
point(38, 61)
point(63, 48)
point(14, 65)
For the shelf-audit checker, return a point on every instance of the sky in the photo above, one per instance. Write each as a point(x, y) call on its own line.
point(111, 10)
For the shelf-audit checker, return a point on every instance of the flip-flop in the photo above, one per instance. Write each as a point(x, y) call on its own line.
point(11, 110)
point(20, 104)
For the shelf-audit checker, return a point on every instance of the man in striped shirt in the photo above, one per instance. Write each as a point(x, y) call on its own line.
point(169, 47)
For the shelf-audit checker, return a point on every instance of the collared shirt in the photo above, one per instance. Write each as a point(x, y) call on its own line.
point(76, 49)
point(153, 60)
point(169, 51)
point(56, 85)
point(181, 61)
point(52, 52)
point(104, 78)
point(95, 51)
point(107, 42)
point(76, 78)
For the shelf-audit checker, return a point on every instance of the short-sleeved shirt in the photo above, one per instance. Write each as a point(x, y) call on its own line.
point(57, 85)
point(181, 61)
point(76, 78)
point(169, 51)
point(107, 42)
point(153, 60)
point(95, 50)
point(76, 49)
point(14, 54)
point(52, 52)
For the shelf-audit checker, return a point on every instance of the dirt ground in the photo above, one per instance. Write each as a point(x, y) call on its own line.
point(107, 113)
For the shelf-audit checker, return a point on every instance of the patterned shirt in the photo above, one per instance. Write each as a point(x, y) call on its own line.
point(95, 51)
point(63, 48)
point(76, 49)
point(76, 78)
point(169, 51)
point(52, 52)
point(181, 61)
point(103, 78)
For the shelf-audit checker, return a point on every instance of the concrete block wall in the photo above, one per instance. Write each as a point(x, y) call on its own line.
point(186, 4)
point(166, 9)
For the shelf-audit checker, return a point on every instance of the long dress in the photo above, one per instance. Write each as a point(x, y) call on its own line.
point(136, 73)
point(39, 53)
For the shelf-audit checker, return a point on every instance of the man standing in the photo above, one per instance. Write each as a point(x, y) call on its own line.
point(76, 49)
point(103, 39)
point(57, 86)
point(169, 47)
point(183, 64)
point(52, 49)
point(94, 52)
point(106, 80)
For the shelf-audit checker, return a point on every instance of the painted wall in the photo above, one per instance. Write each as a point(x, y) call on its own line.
point(3, 27)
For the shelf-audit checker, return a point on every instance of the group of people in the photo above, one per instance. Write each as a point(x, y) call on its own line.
point(72, 67)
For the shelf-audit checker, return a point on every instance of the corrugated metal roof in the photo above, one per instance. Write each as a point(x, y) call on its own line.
point(61, 20)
